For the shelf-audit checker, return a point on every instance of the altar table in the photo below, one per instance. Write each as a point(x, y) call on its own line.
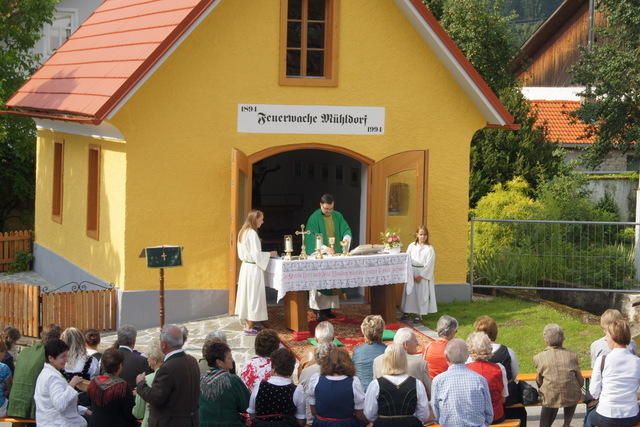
point(292, 280)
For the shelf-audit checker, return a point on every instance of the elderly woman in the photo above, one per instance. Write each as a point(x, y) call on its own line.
point(600, 346)
point(215, 335)
point(323, 333)
point(335, 395)
point(446, 328)
point(479, 346)
point(258, 368)
point(155, 357)
point(396, 399)
point(56, 400)
point(559, 378)
point(363, 355)
point(111, 397)
point(223, 395)
point(615, 381)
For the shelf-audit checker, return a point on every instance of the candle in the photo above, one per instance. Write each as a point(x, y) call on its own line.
point(332, 240)
point(318, 241)
point(288, 244)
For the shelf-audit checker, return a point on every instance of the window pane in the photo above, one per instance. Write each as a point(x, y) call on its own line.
point(316, 9)
point(315, 35)
point(295, 9)
point(315, 63)
point(293, 62)
point(293, 34)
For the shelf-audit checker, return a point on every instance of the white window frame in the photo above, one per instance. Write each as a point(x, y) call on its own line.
point(48, 30)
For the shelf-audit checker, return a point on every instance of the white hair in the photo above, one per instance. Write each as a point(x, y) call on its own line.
point(456, 351)
point(479, 346)
point(553, 335)
point(446, 326)
point(324, 332)
point(217, 334)
point(403, 335)
point(172, 335)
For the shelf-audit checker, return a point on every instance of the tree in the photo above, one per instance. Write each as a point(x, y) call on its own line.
point(484, 35)
point(610, 71)
point(20, 24)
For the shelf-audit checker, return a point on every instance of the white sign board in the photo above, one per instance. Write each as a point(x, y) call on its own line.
point(310, 119)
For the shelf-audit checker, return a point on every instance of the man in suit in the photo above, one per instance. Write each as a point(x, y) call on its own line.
point(133, 363)
point(173, 396)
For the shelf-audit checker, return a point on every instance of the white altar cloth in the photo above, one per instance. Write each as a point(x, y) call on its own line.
point(337, 272)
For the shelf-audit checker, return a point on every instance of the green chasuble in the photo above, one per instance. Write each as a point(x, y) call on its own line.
point(28, 367)
point(317, 224)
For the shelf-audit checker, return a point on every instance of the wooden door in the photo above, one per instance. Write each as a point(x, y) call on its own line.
point(397, 197)
point(240, 206)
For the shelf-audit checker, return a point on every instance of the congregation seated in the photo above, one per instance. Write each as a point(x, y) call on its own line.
point(277, 402)
point(396, 398)
point(460, 397)
point(321, 351)
point(558, 377)
point(56, 400)
point(134, 363)
point(258, 368)
point(111, 397)
point(600, 346)
point(416, 366)
point(335, 395)
point(92, 340)
point(155, 359)
point(223, 395)
point(78, 361)
point(28, 367)
point(10, 337)
point(615, 381)
point(446, 328)
point(479, 347)
point(363, 355)
point(218, 335)
point(323, 333)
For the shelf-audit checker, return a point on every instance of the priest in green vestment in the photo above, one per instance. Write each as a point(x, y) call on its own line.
point(329, 223)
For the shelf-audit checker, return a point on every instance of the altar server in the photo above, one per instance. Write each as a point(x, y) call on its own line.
point(329, 223)
point(251, 301)
point(419, 296)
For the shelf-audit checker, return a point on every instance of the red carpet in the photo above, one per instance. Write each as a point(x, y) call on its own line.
point(346, 326)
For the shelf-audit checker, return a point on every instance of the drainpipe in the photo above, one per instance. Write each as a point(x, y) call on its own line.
point(592, 18)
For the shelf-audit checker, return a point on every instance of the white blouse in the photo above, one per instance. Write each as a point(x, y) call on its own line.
point(358, 393)
point(56, 401)
point(77, 367)
point(371, 398)
point(617, 385)
point(298, 396)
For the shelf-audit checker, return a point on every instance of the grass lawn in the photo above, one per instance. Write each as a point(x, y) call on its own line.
point(520, 325)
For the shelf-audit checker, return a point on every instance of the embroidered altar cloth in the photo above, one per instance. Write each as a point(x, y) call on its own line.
point(337, 272)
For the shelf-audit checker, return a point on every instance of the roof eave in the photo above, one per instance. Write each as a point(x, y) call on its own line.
point(53, 116)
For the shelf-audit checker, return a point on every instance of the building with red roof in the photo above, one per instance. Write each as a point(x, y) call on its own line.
point(164, 122)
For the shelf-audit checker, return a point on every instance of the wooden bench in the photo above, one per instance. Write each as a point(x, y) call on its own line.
point(16, 420)
point(532, 376)
point(505, 423)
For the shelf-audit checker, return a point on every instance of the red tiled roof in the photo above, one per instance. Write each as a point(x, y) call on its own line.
point(120, 42)
point(562, 127)
point(104, 59)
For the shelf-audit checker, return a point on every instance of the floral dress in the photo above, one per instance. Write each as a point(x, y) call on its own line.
point(256, 370)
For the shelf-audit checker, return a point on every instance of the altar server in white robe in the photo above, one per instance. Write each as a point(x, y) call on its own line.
point(251, 301)
point(419, 296)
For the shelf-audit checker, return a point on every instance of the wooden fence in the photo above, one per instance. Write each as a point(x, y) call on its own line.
point(20, 307)
point(82, 309)
point(11, 243)
point(24, 307)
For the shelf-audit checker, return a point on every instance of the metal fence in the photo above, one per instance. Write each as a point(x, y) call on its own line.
point(555, 255)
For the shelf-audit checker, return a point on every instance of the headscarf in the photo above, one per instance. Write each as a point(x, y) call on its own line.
point(214, 383)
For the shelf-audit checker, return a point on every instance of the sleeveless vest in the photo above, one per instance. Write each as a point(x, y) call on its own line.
point(436, 360)
point(493, 374)
point(274, 399)
point(501, 356)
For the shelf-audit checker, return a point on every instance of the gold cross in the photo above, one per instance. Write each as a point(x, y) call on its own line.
point(163, 256)
point(302, 232)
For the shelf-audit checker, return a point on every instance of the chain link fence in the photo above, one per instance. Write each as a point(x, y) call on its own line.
point(555, 255)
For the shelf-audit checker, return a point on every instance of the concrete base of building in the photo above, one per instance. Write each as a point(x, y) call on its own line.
point(449, 292)
point(59, 271)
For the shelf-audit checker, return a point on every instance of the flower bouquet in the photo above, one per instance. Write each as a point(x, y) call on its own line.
point(391, 241)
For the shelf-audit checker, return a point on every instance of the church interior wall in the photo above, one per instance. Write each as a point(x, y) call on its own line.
point(181, 127)
point(64, 252)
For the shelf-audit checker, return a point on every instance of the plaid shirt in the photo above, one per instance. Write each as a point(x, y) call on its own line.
point(460, 398)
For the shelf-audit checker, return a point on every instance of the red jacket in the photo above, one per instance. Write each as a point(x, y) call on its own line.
point(493, 374)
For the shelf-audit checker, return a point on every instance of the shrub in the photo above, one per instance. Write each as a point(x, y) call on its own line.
point(22, 263)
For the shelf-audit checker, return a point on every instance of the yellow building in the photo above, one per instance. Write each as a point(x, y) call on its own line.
point(163, 123)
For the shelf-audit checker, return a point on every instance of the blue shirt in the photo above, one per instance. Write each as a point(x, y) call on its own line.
point(363, 356)
point(5, 374)
point(460, 398)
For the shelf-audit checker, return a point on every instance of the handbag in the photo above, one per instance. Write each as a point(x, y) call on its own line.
point(528, 393)
point(589, 400)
